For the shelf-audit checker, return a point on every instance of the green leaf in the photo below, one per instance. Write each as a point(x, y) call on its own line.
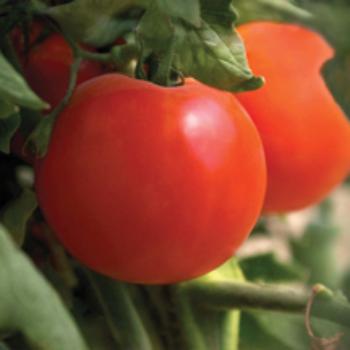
point(122, 314)
point(206, 48)
point(282, 331)
point(315, 250)
point(3, 346)
point(254, 336)
point(100, 22)
point(189, 11)
point(265, 267)
point(97, 22)
point(7, 109)
point(17, 213)
point(278, 10)
point(30, 305)
point(212, 53)
point(8, 128)
point(15, 90)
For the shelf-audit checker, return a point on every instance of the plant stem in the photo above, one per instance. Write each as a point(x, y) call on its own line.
point(39, 139)
point(123, 317)
point(245, 295)
point(162, 75)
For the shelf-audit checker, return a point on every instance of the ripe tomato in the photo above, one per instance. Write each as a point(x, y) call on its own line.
point(47, 69)
point(305, 134)
point(150, 184)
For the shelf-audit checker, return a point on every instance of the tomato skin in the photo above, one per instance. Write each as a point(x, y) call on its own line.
point(306, 135)
point(150, 184)
point(47, 69)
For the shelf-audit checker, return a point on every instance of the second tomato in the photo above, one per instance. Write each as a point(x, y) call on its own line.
point(306, 135)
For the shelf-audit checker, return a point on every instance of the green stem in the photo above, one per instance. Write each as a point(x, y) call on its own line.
point(160, 306)
point(162, 75)
point(122, 56)
point(190, 331)
point(123, 318)
point(177, 325)
point(39, 139)
point(245, 295)
point(95, 56)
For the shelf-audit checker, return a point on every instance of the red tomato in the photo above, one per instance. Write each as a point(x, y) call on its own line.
point(150, 184)
point(47, 69)
point(305, 134)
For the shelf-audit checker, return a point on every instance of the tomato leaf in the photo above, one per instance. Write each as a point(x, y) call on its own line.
point(16, 214)
point(261, 340)
point(287, 330)
point(97, 22)
point(39, 313)
point(265, 267)
point(8, 128)
point(316, 249)
point(282, 331)
point(189, 11)
point(7, 109)
point(250, 10)
point(123, 313)
point(196, 35)
point(212, 53)
point(15, 90)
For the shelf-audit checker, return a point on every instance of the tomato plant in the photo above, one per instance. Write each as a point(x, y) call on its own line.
point(147, 171)
point(47, 68)
point(306, 135)
point(152, 184)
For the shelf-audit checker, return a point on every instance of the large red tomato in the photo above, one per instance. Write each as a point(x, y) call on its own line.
point(305, 134)
point(47, 69)
point(151, 184)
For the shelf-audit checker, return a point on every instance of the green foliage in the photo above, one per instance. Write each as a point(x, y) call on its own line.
point(29, 305)
point(255, 335)
point(3, 346)
point(283, 331)
point(123, 314)
point(212, 52)
point(278, 10)
point(208, 328)
point(193, 38)
point(188, 11)
point(8, 127)
point(14, 89)
point(265, 267)
point(6, 109)
point(17, 213)
point(315, 250)
point(14, 93)
point(97, 22)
